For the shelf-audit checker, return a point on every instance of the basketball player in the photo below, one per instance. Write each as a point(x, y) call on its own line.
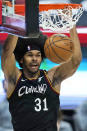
point(33, 94)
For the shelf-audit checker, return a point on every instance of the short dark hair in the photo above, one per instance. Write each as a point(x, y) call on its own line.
point(23, 43)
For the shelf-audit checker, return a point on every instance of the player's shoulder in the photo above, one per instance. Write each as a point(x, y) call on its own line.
point(43, 71)
point(53, 71)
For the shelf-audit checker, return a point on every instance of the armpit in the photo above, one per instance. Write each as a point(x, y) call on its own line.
point(55, 81)
point(12, 79)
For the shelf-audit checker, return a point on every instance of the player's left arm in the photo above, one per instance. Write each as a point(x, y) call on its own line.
point(67, 69)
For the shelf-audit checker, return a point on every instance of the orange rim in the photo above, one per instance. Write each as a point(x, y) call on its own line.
point(45, 7)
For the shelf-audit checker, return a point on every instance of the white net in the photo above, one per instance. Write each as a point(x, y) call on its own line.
point(59, 19)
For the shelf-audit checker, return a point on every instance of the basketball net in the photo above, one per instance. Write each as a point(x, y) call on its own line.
point(60, 20)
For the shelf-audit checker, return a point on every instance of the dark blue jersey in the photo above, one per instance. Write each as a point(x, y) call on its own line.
point(34, 104)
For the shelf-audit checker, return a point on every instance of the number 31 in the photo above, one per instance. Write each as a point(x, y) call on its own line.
point(38, 105)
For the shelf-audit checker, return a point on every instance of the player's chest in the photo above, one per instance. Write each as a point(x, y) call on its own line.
point(26, 89)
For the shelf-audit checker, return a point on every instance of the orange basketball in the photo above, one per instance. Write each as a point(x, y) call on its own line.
point(58, 48)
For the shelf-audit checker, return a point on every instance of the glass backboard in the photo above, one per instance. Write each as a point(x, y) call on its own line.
point(20, 17)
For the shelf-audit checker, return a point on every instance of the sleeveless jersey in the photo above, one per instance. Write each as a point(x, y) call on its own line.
point(34, 104)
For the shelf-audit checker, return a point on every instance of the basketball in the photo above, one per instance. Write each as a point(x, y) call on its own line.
point(58, 48)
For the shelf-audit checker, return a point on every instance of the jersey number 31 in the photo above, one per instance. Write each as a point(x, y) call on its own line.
point(38, 106)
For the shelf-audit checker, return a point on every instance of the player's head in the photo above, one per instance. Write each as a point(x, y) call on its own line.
point(31, 48)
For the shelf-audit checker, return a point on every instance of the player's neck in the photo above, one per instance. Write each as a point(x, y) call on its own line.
point(31, 76)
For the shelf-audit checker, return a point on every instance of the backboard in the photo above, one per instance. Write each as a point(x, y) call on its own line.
point(20, 17)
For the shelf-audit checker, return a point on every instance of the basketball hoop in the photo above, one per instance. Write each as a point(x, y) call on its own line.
point(59, 17)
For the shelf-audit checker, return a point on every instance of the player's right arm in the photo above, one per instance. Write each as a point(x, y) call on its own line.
point(68, 68)
point(8, 61)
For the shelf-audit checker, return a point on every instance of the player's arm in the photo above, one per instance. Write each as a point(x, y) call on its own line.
point(8, 59)
point(66, 69)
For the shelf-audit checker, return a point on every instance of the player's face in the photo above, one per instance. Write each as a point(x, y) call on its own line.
point(32, 61)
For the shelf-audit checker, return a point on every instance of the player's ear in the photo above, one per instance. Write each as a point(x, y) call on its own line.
point(21, 61)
